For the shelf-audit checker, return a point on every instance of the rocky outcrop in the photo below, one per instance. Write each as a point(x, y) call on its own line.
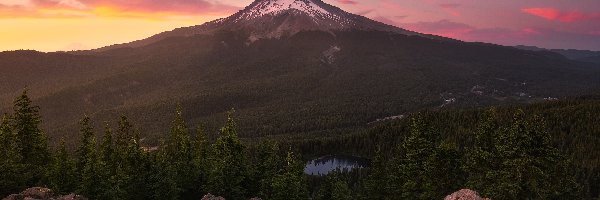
point(465, 194)
point(40, 193)
point(211, 197)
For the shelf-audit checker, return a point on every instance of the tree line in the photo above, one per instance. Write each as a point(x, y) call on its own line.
point(571, 124)
point(502, 159)
point(185, 166)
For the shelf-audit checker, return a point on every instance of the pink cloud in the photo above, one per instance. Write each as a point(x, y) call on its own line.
point(530, 31)
point(562, 16)
point(74, 4)
point(450, 5)
point(67, 8)
point(531, 35)
point(450, 8)
point(197, 7)
point(596, 32)
point(18, 11)
point(351, 2)
point(364, 12)
point(543, 37)
point(467, 32)
point(385, 20)
point(444, 28)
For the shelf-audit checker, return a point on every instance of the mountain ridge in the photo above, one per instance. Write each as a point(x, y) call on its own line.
point(573, 54)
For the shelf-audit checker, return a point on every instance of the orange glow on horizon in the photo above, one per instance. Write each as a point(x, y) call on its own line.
point(63, 29)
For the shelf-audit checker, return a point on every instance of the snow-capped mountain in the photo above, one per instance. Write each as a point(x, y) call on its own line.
point(276, 18)
point(274, 7)
point(273, 18)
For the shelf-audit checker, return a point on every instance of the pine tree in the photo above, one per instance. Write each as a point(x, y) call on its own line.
point(62, 174)
point(87, 146)
point(375, 186)
point(521, 163)
point(111, 182)
point(528, 160)
point(483, 156)
point(268, 163)
point(131, 160)
point(423, 161)
point(12, 171)
point(125, 134)
point(30, 139)
point(200, 164)
point(88, 162)
point(201, 144)
point(229, 172)
point(90, 176)
point(180, 155)
point(163, 179)
point(334, 188)
point(291, 184)
point(107, 147)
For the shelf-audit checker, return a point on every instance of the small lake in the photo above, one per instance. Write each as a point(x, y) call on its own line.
point(326, 164)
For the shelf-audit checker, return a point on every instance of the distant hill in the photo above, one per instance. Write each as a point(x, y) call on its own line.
point(573, 54)
point(305, 68)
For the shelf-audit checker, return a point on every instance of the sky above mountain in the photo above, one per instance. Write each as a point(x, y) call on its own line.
point(52, 25)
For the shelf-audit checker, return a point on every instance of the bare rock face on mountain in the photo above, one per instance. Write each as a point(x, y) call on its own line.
point(465, 194)
point(40, 193)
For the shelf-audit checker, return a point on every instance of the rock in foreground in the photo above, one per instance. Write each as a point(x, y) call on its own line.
point(213, 197)
point(465, 194)
point(40, 193)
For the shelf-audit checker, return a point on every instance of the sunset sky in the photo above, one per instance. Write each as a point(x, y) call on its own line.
point(53, 25)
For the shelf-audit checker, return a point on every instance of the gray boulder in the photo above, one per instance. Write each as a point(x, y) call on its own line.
point(40, 193)
point(465, 194)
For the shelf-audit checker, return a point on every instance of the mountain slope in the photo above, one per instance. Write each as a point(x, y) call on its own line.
point(314, 82)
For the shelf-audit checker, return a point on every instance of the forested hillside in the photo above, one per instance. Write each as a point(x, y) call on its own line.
point(543, 151)
point(573, 126)
point(311, 83)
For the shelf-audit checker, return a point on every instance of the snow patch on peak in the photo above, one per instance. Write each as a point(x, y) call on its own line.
point(273, 7)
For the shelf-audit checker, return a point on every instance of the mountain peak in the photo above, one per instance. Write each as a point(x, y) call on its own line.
point(275, 18)
point(298, 14)
point(273, 7)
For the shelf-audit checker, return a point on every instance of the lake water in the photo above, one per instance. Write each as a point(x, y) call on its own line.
point(326, 164)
